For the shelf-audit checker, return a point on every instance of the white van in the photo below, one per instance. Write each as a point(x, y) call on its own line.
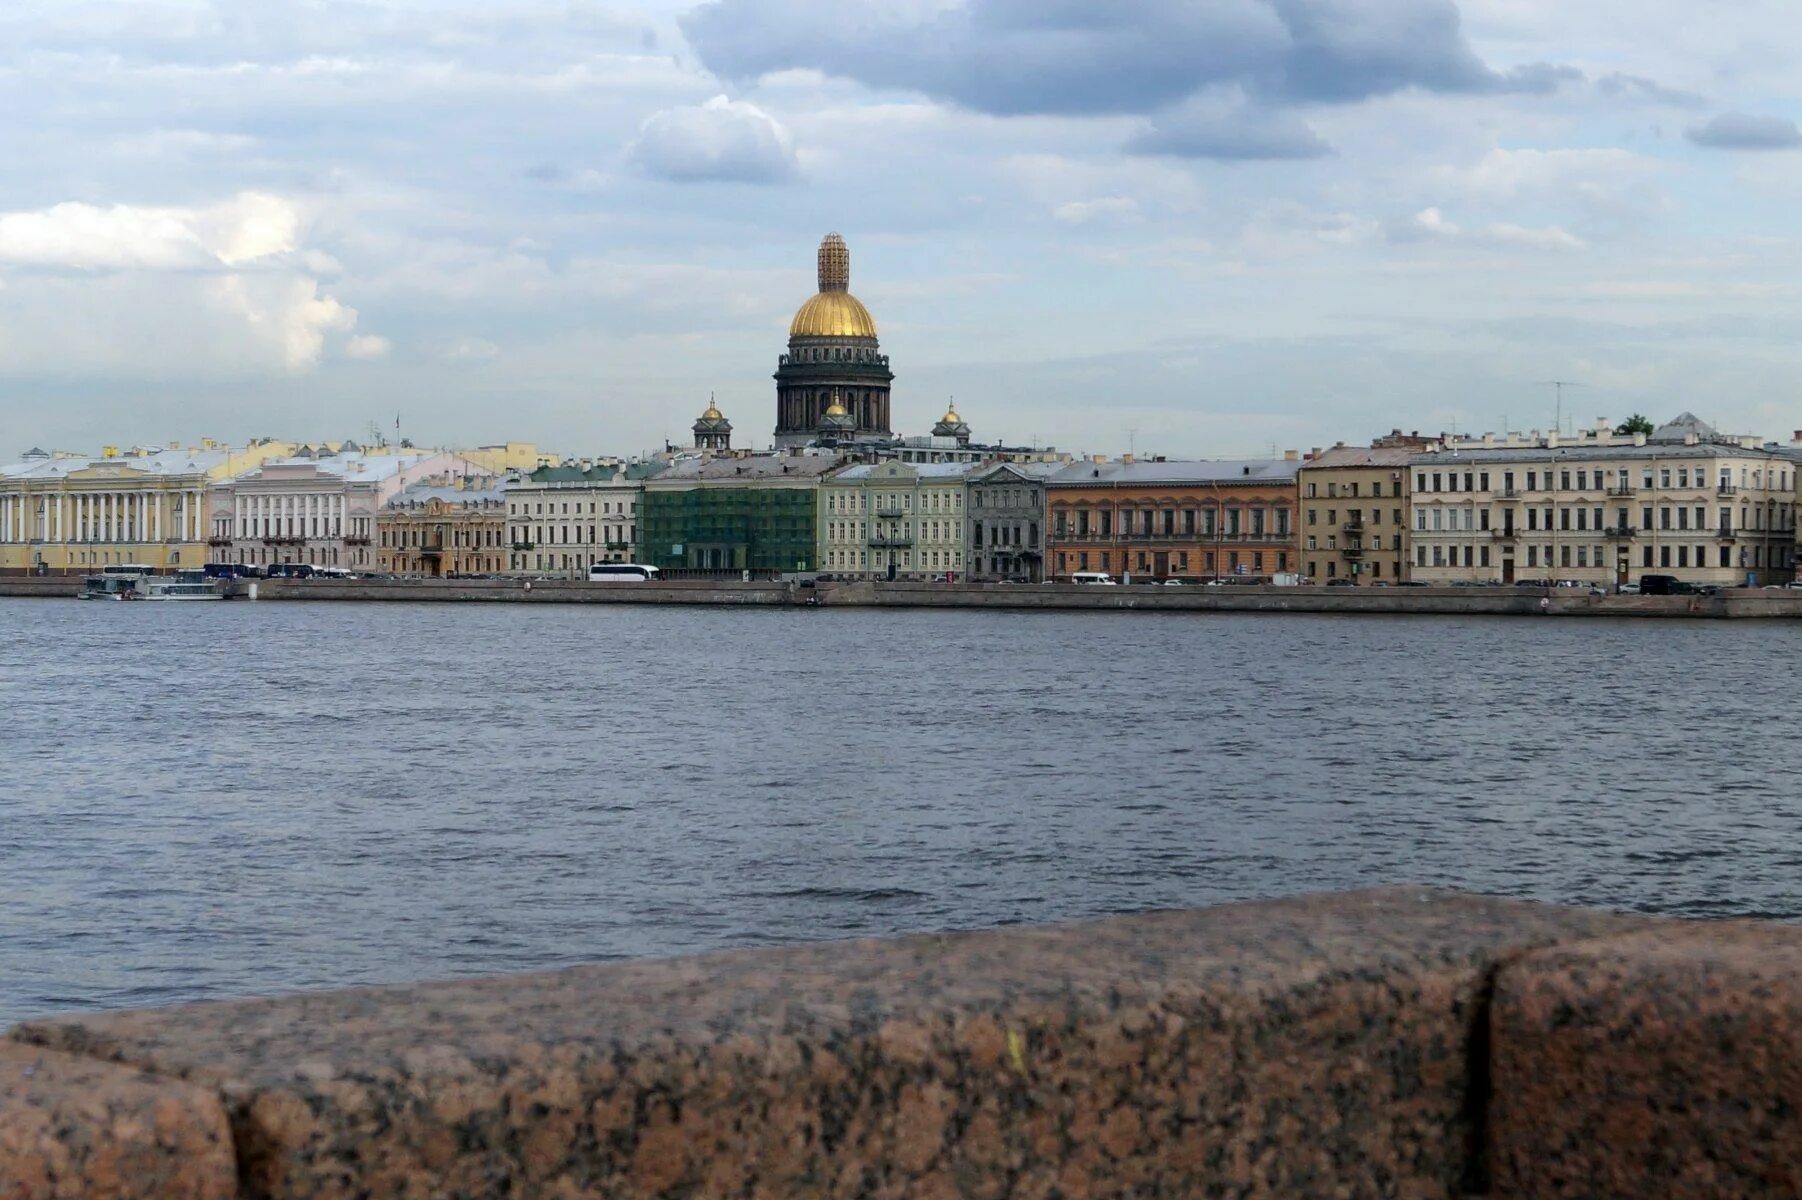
point(623, 573)
point(1097, 577)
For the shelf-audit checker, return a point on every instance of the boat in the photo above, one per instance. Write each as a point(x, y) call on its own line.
point(136, 582)
point(183, 585)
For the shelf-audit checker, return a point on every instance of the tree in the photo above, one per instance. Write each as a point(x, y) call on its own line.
point(1635, 424)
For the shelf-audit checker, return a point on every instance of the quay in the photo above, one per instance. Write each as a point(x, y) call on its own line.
point(1398, 1042)
point(1768, 603)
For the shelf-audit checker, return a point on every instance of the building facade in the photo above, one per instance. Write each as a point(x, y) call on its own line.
point(1005, 529)
point(1353, 507)
point(745, 512)
point(1203, 521)
point(317, 509)
point(62, 514)
point(1604, 509)
point(564, 520)
point(446, 526)
point(833, 356)
point(890, 520)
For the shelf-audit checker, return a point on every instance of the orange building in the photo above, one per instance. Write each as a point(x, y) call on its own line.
point(1154, 519)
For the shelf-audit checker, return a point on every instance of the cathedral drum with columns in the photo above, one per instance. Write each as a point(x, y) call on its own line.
point(833, 383)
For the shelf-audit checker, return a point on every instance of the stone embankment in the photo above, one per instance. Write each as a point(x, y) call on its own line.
point(1563, 602)
point(1392, 1043)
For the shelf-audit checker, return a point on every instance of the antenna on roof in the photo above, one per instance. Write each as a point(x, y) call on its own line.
point(1558, 386)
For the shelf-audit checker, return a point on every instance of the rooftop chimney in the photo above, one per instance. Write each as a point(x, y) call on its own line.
point(1291, 455)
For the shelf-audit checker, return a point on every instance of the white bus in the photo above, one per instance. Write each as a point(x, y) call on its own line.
point(622, 573)
point(1093, 577)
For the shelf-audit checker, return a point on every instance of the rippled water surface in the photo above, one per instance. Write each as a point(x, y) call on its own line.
point(207, 800)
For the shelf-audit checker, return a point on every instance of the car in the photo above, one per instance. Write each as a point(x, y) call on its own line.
point(1340, 583)
point(1381, 583)
point(1628, 589)
point(1173, 583)
point(1413, 583)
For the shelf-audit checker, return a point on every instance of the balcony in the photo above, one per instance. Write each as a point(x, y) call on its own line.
point(1726, 489)
point(892, 514)
point(283, 539)
point(1621, 490)
point(356, 541)
point(1352, 552)
point(1356, 525)
point(1620, 532)
point(614, 546)
point(1509, 493)
point(1727, 535)
point(891, 543)
point(219, 541)
point(525, 545)
point(1504, 535)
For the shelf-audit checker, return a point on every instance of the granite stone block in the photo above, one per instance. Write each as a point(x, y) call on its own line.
point(1317, 1047)
point(77, 1129)
point(1665, 1063)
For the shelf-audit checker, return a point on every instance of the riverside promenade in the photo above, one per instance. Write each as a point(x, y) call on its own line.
point(1767, 603)
point(1398, 1042)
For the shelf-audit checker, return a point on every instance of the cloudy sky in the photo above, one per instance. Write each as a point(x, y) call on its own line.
point(1205, 227)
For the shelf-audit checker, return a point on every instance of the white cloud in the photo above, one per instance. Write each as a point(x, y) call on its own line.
point(1102, 208)
point(472, 350)
point(244, 229)
point(286, 314)
point(723, 140)
point(1432, 224)
point(366, 347)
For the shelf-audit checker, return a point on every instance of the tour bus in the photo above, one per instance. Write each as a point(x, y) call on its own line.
point(622, 573)
point(1100, 577)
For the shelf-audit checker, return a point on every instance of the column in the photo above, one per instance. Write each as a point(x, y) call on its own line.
point(156, 515)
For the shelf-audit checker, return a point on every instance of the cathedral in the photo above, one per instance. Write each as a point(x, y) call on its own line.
point(833, 384)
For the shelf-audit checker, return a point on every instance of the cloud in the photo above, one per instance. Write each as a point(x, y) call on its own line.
point(288, 315)
point(1430, 224)
point(1742, 131)
point(1012, 57)
point(721, 141)
point(1240, 134)
point(472, 350)
point(1102, 208)
point(1638, 87)
point(76, 236)
point(367, 347)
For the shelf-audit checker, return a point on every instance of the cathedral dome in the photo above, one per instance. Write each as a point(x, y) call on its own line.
point(834, 312)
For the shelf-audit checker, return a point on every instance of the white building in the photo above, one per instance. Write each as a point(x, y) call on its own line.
point(894, 518)
point(563, 520)
point(320, 511)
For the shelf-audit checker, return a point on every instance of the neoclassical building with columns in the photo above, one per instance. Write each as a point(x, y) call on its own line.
point(71, 514)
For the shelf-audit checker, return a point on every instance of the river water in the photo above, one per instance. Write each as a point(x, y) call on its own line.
point(219, 799)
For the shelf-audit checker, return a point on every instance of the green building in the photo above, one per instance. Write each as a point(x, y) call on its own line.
point(757, 512)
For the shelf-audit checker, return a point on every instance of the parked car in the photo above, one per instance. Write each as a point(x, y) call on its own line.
point(1340, 583)
point(1628, 589)
point(1412, 583)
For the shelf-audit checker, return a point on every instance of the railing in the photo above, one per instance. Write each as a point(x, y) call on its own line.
point(618, 545)
point(1621, 489)
point(1620, 531)
point(1354, 526)
point(525, 545)
point(1726, 489)
point(219, 541)
point(1508, 493)
point(891, 513)
point(891, 543)
point(430, 547)
point(1352, 551)
point(283, 539)
point(1726, 535)
point(1504, 535)
point(356, 541)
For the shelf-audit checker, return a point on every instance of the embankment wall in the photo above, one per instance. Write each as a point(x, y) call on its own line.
point(1389, 1043)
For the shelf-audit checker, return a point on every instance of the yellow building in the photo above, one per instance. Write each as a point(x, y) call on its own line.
point(72, 515)
point(523, 457)
point(444, 527)
point(1354, 513)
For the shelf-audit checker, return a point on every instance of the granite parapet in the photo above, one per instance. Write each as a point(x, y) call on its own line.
point(1662, 1063)
point(73, 1128)
point(1312, 1047)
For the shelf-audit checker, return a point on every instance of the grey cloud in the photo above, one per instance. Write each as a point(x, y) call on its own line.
point(1638, 87)
point(1743, 131)
point(721, 141)
point(1240, 134)
point(1009, 57)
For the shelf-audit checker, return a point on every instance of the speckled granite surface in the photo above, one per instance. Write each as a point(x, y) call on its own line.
point(1317, 1047)
point(1666, 1063)
point(76, 1129)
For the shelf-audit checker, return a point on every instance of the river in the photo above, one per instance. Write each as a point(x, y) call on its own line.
point(210, 800)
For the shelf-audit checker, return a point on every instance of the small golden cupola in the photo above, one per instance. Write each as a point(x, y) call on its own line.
point(712, 430)
point(952, 426)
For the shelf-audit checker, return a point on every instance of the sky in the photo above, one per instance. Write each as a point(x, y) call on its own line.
point(1203, 228)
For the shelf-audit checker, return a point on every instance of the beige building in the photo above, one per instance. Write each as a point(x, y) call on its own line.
point(1605, 508)
point(451, 525)
point(894, 518)
point(62, 514)
point(1353, 511)
point(563, 520)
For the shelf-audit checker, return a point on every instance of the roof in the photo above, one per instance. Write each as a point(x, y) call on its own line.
point(491, 491)
point(1681, 426)
point(748, 469)
point(925, 472)
point(358, 466)
point(1583, 452)
point(1039, 471)
point(163, 462)
point(1361, 456)
point(1221, 471)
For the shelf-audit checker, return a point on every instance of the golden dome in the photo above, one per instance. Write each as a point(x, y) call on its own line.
point(950, 417)
point(713, 412)
point(835, 409)
point(835, 312)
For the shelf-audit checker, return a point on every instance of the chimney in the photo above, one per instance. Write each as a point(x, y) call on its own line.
point(1126, 458)
point(1314, 453)
point(1291, 455)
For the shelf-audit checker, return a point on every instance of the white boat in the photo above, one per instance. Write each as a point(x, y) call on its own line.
point(134, 582)
point(183, 585)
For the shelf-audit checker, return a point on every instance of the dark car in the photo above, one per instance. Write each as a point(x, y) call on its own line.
point(1662, 585)
point(1340, 583)
point(1412, 583)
